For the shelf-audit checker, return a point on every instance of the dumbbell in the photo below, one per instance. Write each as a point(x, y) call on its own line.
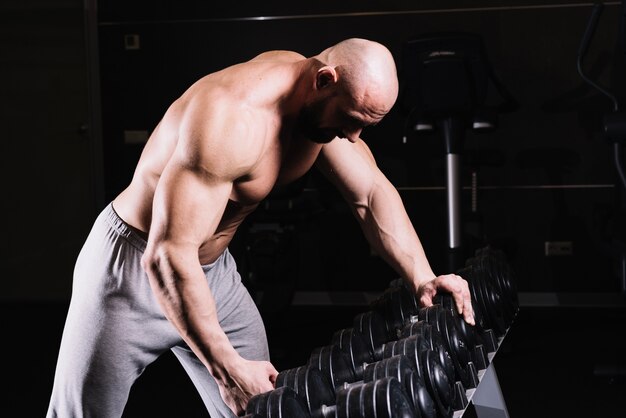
point(350, 342)
point(303, 379)
point(456, 344)
point(382, 398)
point(371, 327)
point(475, 336)
point(435, 343)
point(396, 305)
point(486, 301)
point(454, 340)
point(402, 305)
point(329, 359)
point(495, 266)
point(281, 402)
point(448, 394)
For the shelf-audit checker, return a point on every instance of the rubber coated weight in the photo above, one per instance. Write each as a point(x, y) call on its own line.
point(383, 398)
point(469, 333)
point(442, 320)
point(334, 364)
point(486, 301)
point(441, 389)
point(492, 300)
point(401, 368)
point(414, 348)
point(472, 335)
point(311, 385)
point(278, 403)
point(501, 275)
point(435, 343)
point(391, 365)
point(411, 347)
point(371, 327)
point(354, 346)
point(397, 304)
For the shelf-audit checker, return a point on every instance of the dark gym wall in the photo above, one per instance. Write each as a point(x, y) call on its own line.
point(46, 159)
point(548, 175)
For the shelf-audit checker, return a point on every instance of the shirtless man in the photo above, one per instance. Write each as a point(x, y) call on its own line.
point(155, 272)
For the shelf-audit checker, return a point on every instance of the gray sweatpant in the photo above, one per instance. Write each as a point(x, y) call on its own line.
point(115, 327)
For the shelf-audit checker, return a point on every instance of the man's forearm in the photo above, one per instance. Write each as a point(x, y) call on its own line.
point(389, 231)
point(182, 291)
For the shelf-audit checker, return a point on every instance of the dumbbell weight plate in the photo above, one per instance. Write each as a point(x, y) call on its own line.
point(435, 343)
point(311, 385)
point(442, 320)
point(278, 403)
point(355, 348)
point(501, 276)
point(401, 368)
point(334, 364)
point(469, 333)
point(441, 389)
point(371, 327)
point(492, 301)
point(383, 398)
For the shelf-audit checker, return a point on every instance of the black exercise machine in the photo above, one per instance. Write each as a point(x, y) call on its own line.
point(614, 124)
point(446, 79)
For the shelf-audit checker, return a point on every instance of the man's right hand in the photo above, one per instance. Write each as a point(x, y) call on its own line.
point(246, 379)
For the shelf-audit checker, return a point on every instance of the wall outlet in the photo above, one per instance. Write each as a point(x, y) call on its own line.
point(558, 248)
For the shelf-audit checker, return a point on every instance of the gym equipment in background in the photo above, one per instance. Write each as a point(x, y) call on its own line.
point(614, 124)
point(445, 80)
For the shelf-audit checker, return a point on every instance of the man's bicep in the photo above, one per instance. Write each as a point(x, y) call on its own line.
point(188, 205)
point(351, 167)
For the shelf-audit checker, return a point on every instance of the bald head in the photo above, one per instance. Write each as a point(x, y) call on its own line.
point(366, 70)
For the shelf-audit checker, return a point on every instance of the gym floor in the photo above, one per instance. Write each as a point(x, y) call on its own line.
point(548, 365)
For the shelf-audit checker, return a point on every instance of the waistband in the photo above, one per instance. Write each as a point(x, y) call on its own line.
point(123, 229)
point(135, 239)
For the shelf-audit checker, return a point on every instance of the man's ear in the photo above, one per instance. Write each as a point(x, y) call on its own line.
point(326, 76)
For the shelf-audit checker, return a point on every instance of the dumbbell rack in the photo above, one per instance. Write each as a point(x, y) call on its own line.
point(487, 397)
point(403, 357)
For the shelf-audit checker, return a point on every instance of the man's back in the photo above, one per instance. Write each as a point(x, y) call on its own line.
point(237, 120)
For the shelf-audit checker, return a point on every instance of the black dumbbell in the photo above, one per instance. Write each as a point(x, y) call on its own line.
point(457, 346)
point(316, 388)
point(383, 398)
point(435, 343)
point(396, 305)
point(356, 349)
point(371, 327)
point(277, 403)
point(477, 337)
point(479, 340)
point(498, 271)
point(349, 344)
point(447, 394)
point(334, 364)
point(485, 300)
point(311, 385)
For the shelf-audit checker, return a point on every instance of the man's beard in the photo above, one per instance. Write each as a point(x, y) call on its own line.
point(309, 124)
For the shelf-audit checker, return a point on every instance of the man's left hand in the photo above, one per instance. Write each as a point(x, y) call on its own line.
point(453, 284)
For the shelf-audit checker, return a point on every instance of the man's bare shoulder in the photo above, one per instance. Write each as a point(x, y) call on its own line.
point(279, 56)
point(221, 134)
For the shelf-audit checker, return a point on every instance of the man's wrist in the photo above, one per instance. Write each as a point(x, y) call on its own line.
point(422, 277)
